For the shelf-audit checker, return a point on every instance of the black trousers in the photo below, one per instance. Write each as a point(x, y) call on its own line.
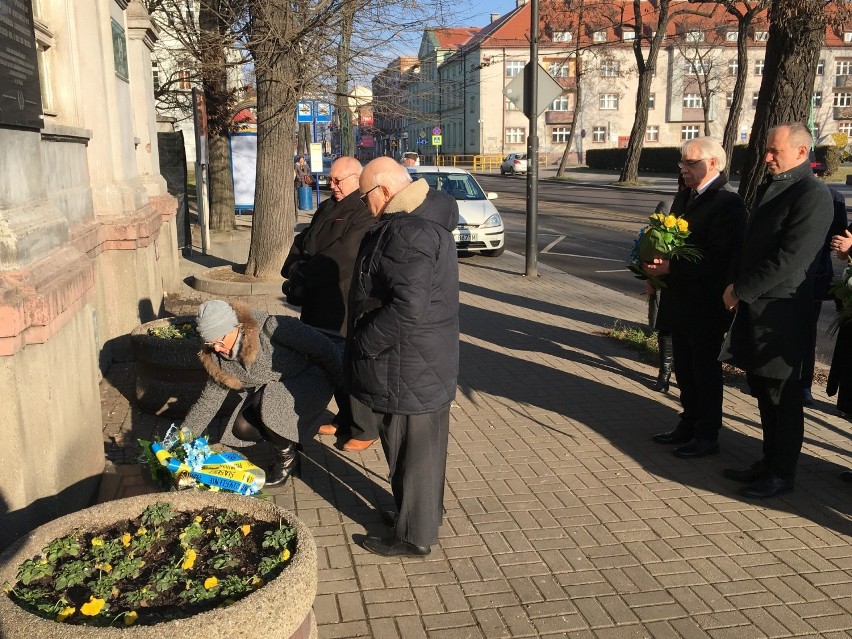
point(416, 450)
point(808, 362)
point(347, 427)
point(699, 378)
point(782, 418)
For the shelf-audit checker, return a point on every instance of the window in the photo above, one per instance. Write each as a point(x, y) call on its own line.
point(758, 67)
point(510, 106)
point(733, 67)
point(608, 101)
point(754, 100)
point(847, 36)
point(628, 34)
point(731, 36)
point(689, 132)
point(695, 36)
point(609, 68)
point(845, 127)
point(45, 73)
point(560, 103)
point(694, 67)
point(155, 71)
point(842, 99)
point(816, 99)
point(815, 132)
point(599, 134)
point(560, 134)
point(761, 36)
point(692, 101)
point(183, 80)
point(515, 136)
point(514, 67)
point(652, 100)
point(729, 100)
point(561, 36)
point(652, 134)
point(599, 36)
point(558, 69)
point(821, 67)
point(843, 67)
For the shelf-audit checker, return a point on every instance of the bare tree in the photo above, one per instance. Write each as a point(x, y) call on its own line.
point(796, 34)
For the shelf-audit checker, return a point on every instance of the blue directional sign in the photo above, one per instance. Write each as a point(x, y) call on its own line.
point(305, 112)
point(323, 112)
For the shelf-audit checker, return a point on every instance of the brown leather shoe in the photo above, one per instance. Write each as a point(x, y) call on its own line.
point(328, 429)
point(357, 445)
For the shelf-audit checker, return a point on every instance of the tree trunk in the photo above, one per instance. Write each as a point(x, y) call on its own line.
point(578, 95)
point(796, 32)
point(347, 139)
point(729, 137)
point(274, 206)
point(217, 97)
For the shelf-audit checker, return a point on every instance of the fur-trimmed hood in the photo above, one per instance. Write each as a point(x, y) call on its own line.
point(419, 199)
point(249, 349)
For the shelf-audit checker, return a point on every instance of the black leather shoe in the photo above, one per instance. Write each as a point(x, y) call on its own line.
point(807, 397)
point(389, 518)
point(677, 436)
point(393, 547)
point(846, 476)
point(746, 475)
point(769, 486)
point(287, 464)
point(698, 448)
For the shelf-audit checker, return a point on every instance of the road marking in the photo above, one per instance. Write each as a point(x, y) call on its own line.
point(547, 248)
point(618, 270)
point(588, 257)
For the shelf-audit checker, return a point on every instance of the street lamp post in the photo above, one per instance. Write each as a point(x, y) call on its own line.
point(481, 137)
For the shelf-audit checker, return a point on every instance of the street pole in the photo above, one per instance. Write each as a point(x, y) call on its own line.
point(532, 147)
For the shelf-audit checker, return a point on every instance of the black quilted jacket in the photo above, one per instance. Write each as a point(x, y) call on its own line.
point(402, 349)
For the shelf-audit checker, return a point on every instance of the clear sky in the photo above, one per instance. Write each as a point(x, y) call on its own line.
point(478, 12)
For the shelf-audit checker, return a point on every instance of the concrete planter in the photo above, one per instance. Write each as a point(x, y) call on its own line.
point(169, 376)
point(281, 609)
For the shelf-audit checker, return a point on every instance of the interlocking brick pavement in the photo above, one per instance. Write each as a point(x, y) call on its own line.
point(563, 518)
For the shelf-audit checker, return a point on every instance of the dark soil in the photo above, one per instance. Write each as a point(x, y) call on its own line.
point(161, 588)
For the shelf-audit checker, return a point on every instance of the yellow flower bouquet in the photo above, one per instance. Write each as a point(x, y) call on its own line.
point(664, 237)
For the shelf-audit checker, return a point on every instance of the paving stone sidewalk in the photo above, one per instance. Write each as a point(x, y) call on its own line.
point(563, 518)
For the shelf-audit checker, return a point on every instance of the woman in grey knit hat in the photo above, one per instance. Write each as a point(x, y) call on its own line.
point(284, 372)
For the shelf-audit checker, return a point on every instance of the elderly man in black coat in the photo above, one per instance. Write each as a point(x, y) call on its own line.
point(319, 269)
point(402, 347)
point(773, 298)
point(690, 305)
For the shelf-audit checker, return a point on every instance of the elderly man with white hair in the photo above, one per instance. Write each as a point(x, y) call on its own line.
point(691, 305)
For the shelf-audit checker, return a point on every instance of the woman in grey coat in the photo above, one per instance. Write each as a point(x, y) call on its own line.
point(284, 372)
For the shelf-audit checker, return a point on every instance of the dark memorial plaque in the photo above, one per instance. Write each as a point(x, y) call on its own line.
point(20, 94)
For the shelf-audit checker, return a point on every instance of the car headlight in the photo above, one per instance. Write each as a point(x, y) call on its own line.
point(492, 221)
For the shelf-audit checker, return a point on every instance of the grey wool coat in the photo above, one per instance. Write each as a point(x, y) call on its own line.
point(295, 365)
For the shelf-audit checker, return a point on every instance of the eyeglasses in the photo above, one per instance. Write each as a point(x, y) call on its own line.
point(363, 197)
point(336, 181)
point(690, 163)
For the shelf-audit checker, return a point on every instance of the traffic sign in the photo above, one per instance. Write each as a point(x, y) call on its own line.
point(436, 130)
point(422, 140)
point(305, 111)
point(437, 139)
point(548, 90)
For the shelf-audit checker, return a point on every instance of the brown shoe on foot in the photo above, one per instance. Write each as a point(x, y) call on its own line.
point(357, 445)
point(328, 429)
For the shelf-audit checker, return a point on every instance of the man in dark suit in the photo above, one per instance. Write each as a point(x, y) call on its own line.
point(319, 269)
point(690, 304)
point(773, 297)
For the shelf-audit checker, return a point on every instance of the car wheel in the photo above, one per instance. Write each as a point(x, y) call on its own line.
point(502, 172)
point(494, 252)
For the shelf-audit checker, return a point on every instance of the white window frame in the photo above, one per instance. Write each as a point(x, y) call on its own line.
point(731, 36)
point(847, 36)
point(559, 134)
point(599, 36)
point(562, 36)
point(754, 97)
point(816, 99)
point(515, 135)
point(610, 68)
point(608, 102)
point(652, 101)
point(692, 101)
point(842, 100)
point(759, 66)
point(820, 70)
point(558, 69)
point(628, 35)
point(599, 134)
point(729, 100)
point(733, 67)
point(513, 69)
point(843, 67)
point(845, 127)
point(761, 36)
point(694, 36)
point(652, 133)
point(689, 132)
point(559, 104)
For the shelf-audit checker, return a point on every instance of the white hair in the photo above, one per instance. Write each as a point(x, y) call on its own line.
point(710, 148)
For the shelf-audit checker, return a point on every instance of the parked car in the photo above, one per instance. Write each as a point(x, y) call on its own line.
point(480, 227)
point(514, 163)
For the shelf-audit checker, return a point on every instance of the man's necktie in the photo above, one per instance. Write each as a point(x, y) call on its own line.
point(692, 195)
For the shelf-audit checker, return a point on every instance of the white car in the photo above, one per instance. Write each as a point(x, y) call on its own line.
point(514, 163)
point(480, 228)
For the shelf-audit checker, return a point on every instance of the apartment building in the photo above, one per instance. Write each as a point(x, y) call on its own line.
point(461, 89)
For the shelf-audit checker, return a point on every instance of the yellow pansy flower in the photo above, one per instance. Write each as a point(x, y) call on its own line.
point(210, 582)
point(246, 529)
point(107, 568)
point(141, 531)
point(197, 519)
point(65, 613)
point(125, 539)
point(256, 581)
point(97, 541)
point(669, 221)
point(285, 555)
point(130, 618)
point(682, 225)
point(93, 607)
point(188, 559)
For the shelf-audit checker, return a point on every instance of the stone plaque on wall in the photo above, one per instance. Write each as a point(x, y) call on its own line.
point(20, 93)
point(119, 51)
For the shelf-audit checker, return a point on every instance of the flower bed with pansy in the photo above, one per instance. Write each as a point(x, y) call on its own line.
point(160, 566)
